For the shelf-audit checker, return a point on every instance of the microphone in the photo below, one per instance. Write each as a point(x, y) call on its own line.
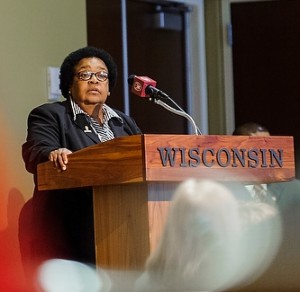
point(144, 86)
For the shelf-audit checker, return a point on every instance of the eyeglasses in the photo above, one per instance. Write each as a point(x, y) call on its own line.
point(86, 75)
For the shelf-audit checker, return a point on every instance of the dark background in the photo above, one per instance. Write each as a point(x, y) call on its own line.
point(154, 50)
point(266, 62)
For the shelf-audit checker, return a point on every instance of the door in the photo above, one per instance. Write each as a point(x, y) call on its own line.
point(154, 36)
point(266, 62)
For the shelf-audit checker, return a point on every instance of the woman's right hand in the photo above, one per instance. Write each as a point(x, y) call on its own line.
point(59, 157)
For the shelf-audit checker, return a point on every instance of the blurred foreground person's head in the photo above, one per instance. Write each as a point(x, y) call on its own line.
point(199, 240)
point(201, 248)
point(251, 129)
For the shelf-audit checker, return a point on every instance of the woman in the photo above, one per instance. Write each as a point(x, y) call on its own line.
point(62, 220)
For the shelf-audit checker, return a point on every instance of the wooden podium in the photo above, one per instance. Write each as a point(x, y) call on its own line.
point(133, 179)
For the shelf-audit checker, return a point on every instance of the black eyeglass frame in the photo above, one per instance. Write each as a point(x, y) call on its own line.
point(87, 75)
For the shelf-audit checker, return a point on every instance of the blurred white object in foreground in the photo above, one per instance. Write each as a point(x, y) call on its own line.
point(58, 275)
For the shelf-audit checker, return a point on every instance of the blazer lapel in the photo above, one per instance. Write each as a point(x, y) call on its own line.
point(117, 127)
point(82, 122)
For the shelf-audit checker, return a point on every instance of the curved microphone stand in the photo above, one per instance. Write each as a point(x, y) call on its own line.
point(179, 112)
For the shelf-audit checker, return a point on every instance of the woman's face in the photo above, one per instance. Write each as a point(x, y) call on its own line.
point(91, 92)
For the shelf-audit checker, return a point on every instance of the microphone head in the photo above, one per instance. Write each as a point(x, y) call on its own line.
point(139, 84)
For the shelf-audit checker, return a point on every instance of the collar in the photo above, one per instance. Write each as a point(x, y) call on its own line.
point(108, 112)
point(251, 189)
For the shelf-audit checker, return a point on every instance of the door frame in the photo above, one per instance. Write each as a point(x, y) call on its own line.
point(198, 103)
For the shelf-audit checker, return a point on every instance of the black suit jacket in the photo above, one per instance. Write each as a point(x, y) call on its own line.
point(51, 126)
point(61, 224)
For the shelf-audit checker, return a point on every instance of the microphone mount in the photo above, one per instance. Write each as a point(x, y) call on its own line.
point(153, 92)
point(156, 98)
point(180, 113)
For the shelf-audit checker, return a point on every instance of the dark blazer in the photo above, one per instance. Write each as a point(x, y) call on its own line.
point(51, 126)
point(61, 224)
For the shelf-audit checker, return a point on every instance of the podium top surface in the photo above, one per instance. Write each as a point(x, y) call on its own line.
point(169, 158)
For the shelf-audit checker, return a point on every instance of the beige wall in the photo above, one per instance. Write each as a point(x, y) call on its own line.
point(35, 34)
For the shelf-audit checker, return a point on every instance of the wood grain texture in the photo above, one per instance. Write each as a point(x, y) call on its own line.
point(129, 220)
point(136, 159)
point(115, 161)
point(121, 226)
point(156, 172)
point(133, 188)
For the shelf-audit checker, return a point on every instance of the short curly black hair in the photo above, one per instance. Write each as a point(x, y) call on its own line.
point(69, 63)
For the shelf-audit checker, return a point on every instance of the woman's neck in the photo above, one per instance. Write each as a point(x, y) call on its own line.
point(95, 111)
